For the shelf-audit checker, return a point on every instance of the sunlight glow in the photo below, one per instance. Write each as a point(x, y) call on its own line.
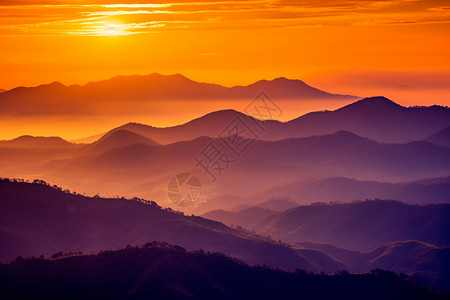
point(111, 29)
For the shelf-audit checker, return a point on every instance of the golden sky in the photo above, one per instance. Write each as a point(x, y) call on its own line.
point(400, 48)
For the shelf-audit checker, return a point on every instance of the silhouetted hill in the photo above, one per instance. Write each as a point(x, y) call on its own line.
point(35, 142)
point(358, 226)
point(428, 263)
point(159, 271)
point(279, 204)
point(377, 118)
point(38, 219)
point(2, 90)
point(282, 87)
point(144, 170)
point(340, 189)
point(441, 138)
point(210, 125)
point(118, 139)
point(138, 91)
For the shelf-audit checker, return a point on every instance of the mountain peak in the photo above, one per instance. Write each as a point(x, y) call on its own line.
point(119, 139)
point(378, 100)
point(54, 84)
point(29, 141)
point(372, 104)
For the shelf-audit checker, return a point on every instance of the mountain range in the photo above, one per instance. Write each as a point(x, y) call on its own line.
point(162, 271)
point(377, 118)
point(361, 188)
point(143, 169)
point(362, 225)
point(36, 219)
point(441, 138)
point(142, 91)
point(338, 189)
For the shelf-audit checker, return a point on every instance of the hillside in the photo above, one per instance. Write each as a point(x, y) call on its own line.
point(341, 189)
point(143, 169)
point(140, 93)
point(35, 142)
point(159, 271)
point(425, 262)
point(361, 226)
point(377, 118)
point(441, 138)
point(37, 219)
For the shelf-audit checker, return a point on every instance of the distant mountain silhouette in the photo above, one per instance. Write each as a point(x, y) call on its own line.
point(377, 118)
point(210, 125)
point(88, 140)
point(428, 263)
point(161, 271)
point(2, 90)
point(118, 139)
point(144, 169)
point(38, 219)
point(441, 138)
point(35, 142)
point(340, 189)
point(279, 204)
point(137, 91)
point(359, 226)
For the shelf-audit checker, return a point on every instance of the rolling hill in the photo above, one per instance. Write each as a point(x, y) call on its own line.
point(143, 168)
point(38, 219)
point(161, 271)
point(140, 92)
point(35, 142)
point(341, 189)
point(377, 118)
point(427, 263)
point(361, 226)
point(441, 138)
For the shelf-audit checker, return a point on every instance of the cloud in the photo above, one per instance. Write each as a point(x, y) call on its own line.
point(71, 16)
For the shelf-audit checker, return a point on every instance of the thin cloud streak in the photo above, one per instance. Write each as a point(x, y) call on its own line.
point(216, 14)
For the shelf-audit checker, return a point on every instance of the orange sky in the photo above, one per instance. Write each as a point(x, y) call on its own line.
point(396, 48)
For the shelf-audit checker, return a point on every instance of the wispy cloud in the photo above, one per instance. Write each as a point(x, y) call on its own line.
point(53, 17)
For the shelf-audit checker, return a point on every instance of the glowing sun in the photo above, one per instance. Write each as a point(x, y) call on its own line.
point(112, 29)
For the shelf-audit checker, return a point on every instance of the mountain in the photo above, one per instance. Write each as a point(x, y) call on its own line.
point(88, 140)
point(332, 189)
point(423, 261)
point(33, 142)
point(377, 118)
point(361, 226)
point(38, 219)
point(2, 90)
point(118, 139)
point(161, 271)
point(144, 170)
point(281, 88)
point(140, 92)
point(341, 189)
point(277, 204)
point(210, 125)
point(441, 138)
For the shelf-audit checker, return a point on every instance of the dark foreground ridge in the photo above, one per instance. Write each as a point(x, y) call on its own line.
point(160, 271)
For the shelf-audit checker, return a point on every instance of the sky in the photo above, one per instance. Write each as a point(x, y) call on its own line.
point(396, 48)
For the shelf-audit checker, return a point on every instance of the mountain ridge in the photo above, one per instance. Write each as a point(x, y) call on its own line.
point(377, 118)
point(162, 271)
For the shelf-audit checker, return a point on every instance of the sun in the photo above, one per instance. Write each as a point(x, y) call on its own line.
point(112, 29)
